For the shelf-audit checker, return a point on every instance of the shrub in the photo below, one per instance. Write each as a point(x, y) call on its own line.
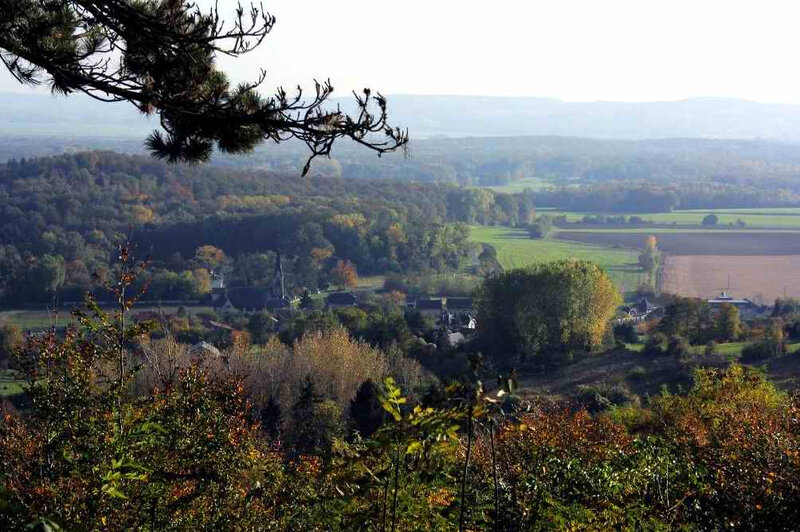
point(678, 346)
point(711, 348)
point(541, 227)
point(654, 346)
point(626, 332)
point(599, 397)
point(636, 372)
point(710, 219)
point(760, 351)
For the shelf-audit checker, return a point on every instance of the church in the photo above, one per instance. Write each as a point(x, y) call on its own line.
point(256, 299)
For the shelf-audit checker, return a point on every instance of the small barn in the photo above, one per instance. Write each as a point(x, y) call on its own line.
point(460, 304)
point(341, 299)
point(431, 307)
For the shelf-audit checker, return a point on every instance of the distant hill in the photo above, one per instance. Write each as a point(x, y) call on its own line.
point(76, 115)
point(493, 161)
point(494, 141)
point(459, 116)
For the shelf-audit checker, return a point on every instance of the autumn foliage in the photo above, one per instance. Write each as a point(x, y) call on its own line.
point(344, 274)
point(97, 450)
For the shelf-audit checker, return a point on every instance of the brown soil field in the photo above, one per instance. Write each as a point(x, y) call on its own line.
point(711, 243)
point(760, 278)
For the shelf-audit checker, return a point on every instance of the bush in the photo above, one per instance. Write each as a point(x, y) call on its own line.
point(710, 219)
point(598, 397)
point(626, 332)
point(395, 284)
point(760, 351)
point(654, 346)
point(677, 346)
point(636, 372)
point(711, 348)
point(541, 227)
point(11, 338)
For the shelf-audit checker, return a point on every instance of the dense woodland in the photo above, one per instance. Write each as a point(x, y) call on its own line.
point(61, 217)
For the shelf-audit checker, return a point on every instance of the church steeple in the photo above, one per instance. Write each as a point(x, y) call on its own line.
point(278, 291)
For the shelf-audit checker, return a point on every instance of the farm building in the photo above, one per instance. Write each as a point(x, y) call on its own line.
point(724, 297)
point(341, 299)
point(252, 299)
point(459, 304)
point(639, 311)
point(457, 321)
point(430, 306)
point(249, 299)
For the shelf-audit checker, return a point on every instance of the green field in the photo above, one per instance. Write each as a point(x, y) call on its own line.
point(731, 349)
point(35, 320)
point(677, 229)
point(10, 384)
point(515, 249)
point(783, 217)
point(373, 282)
point(40, 320)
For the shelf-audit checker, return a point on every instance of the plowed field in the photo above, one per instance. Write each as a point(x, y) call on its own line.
point(760, 278)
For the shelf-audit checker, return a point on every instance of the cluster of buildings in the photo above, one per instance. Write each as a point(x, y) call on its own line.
point(643, 309)
point(455, 315)
point(253, 299)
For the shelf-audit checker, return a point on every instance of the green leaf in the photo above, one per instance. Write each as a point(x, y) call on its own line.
point(43, 524)
point(414, 447)
point(113, 491)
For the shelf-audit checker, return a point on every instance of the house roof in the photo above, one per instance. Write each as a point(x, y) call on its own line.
point(204, 348)
point(725, 297)
point(219, 325)
point(342, 298)
point(643, 305)
point(275, 303)
point(459, 303)
point(430, 304)
point(730, 301)
point(246, 298)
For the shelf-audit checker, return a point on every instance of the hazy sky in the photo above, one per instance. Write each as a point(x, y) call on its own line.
point(637, 50)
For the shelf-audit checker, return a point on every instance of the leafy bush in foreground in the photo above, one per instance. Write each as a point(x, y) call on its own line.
point(188, 454)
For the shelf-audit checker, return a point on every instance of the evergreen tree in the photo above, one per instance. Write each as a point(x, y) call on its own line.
point(366, 412)
point(272, 418)
point(260, 327)
point(304, 437)
point(306, 302)
point(315, 421)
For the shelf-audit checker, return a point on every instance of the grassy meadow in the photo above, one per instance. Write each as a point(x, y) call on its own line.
point(40, 320)
point(515, 250)
point(10, 383)
point(779, 217)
